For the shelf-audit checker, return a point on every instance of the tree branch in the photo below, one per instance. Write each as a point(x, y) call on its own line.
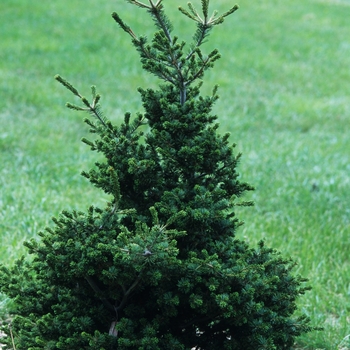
point(128, 292)
point(98, 291)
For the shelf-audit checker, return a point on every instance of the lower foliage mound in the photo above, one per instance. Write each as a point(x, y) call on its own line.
point(159, 267)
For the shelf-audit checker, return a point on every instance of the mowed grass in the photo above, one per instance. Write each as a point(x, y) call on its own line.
point(284, 83)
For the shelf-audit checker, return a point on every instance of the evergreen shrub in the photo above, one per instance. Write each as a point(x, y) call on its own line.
point(159, 267)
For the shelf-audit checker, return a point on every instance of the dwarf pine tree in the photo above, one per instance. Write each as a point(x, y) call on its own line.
point(159, 267)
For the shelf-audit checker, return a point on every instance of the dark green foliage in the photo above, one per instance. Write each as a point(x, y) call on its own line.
point(159, 267)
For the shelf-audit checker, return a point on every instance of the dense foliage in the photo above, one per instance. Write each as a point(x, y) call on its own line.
point(159, 267)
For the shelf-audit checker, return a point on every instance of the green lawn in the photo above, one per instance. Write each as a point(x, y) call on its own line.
point(284, 83)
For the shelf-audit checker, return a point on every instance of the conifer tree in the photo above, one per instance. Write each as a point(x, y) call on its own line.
point(160, 267)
